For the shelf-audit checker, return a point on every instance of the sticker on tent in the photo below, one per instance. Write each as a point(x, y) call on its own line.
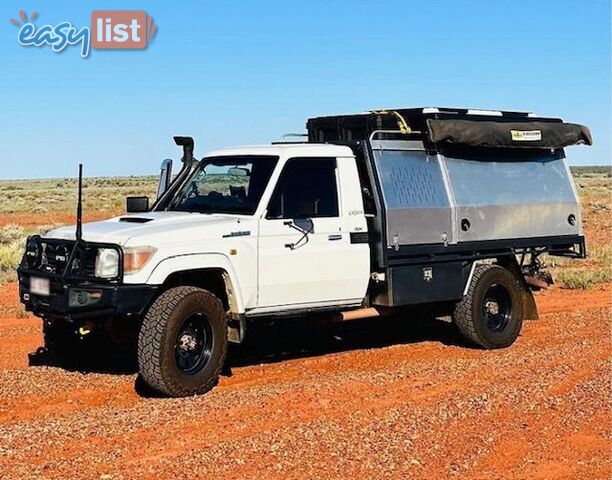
point(526, 135)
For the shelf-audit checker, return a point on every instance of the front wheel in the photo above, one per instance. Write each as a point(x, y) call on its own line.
point(491, 313)
point(182, 343)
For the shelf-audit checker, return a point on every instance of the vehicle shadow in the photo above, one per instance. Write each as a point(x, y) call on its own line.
point(91, 357)
point(292, 339)
point(272, 342)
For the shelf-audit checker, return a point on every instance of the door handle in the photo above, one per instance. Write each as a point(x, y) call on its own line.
point(335, 236)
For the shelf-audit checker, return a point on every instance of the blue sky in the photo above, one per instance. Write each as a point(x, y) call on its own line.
point(231, 73)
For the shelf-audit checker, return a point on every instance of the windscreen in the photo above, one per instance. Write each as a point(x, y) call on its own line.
point(225, 185)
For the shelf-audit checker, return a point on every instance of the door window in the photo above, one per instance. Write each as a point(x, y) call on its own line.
point(306, 189)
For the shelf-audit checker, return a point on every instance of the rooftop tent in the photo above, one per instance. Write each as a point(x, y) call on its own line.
point(474, 133)
point(443, 126)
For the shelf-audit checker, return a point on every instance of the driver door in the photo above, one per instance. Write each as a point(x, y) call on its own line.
point(301, 247)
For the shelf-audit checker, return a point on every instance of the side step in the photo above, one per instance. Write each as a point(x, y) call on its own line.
point(362, 313)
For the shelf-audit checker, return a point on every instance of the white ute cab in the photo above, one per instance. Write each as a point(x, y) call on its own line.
point(352, 228)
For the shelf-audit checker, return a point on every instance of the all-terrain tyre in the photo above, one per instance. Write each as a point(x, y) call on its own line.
point(182, 342)
point(491, 314)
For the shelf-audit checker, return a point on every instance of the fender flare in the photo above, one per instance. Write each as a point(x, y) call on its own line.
point(202, 261)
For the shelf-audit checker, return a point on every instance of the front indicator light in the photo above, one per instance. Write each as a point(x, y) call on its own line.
point(135, 258)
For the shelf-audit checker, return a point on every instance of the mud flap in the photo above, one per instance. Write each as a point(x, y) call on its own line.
point(236, 325)
point(530, 309)
point(236, 328)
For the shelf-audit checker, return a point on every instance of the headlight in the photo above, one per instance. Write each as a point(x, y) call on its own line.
point(107, 263)
point(135, 258)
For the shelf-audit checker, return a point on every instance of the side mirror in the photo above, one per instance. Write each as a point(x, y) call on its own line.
point(137, 204)
point(165, 177)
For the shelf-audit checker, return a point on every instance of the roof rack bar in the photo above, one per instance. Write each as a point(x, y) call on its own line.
point(493, 113)
point(394, 132)
point(287, 135)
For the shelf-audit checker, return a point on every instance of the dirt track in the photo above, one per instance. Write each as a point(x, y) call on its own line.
point(409, 401)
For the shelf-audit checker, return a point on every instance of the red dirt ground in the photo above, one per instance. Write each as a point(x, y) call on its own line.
point(412, 402)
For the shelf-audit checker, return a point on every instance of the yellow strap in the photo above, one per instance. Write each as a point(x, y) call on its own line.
point(401, 121)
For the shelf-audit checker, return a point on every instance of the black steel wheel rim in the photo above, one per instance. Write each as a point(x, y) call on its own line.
point(193, 346)
point(497, 308)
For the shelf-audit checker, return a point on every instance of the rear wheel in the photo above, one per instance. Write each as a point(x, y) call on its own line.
point(491, 313)
point(182, 343)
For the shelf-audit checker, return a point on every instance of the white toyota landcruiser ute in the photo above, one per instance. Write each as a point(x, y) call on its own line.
point(373, 213)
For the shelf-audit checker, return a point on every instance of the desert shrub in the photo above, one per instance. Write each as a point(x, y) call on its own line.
point(12, 245)
point(12, 241)
point(602, 254)
point(10, 255)
point(580, 278)
point(571, 277)
point(11, 233)
point(59, 195)
point(40, 209)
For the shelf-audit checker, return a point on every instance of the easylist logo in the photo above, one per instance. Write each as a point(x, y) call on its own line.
point(121, 29)
point(110, 29)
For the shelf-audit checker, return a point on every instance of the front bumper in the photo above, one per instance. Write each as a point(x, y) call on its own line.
point(103, 300)
point(75, 293)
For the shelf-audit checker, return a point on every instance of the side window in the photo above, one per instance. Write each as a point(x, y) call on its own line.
point(306, 189)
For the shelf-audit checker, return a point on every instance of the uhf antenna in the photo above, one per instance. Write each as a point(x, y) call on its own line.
point(79, 226)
